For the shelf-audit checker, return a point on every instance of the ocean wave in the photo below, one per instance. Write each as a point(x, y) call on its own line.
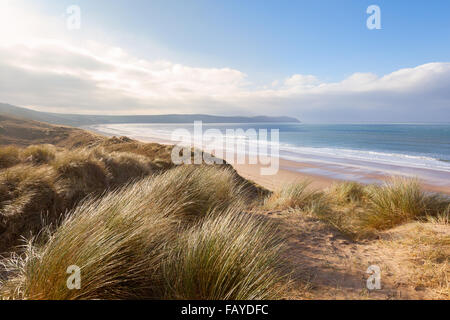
point(400, 159)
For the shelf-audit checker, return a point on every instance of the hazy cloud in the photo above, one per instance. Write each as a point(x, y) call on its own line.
point(90, 77)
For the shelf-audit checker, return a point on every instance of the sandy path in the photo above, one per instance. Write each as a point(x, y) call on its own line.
point(326, 265)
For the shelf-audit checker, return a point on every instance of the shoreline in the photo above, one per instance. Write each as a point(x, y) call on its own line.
point(320, 175)
point(288, 173)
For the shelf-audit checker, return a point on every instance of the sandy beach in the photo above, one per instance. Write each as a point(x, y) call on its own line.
point(288, 173)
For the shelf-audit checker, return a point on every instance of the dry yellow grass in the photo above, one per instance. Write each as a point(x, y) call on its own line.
point(347, 192)
point(160, 155)
point(296, 196)
point(428, 248)
point(124, 166)
point(231, 255)
point(131, 243)
point(9, 156)
point(442, 218)
point(116, 241)
point(204, 188)
point(39, 154)
point(79, 173)
point(25, 192)
point(361, 211)
point(401, 200)
point(67, 177)
point(44, 181)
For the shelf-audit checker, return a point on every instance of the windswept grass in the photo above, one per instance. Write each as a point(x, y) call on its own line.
point(43, 180)
point(201, 188)
point(296, 196)
point(123, 166)
point(19, 181)
point(24, 191)
point(117, 242)
point(442, 218)
point(160, 155)
point(400, 200)
point(380, 207)
point(360, 211)
point(79, 174)
point(68, 177)
point(144, 232)
point(346, 192)
point(232, 256)
point(39, 154)
point(9, 156)
point(133, 244)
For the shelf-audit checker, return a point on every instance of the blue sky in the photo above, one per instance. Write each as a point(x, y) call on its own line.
point(277, 38)
point(300, 58)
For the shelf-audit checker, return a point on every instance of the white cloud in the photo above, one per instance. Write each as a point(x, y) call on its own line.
point(64, 74)
point(301, 81)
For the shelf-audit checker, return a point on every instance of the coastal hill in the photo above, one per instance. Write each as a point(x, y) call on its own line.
point(83, 120)
point(23, 132)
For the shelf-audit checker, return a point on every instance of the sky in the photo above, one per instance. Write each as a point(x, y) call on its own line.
point(314, 60)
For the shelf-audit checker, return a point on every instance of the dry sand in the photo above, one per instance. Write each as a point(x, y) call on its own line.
point(324, 264)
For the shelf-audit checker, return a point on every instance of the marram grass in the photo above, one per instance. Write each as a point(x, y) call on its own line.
point(9, 156)
point(401, 200)
point(232, 256)
point(361, 210)
point(347, 192)
point(45, 180)
point(134, 243)
point(297, 195)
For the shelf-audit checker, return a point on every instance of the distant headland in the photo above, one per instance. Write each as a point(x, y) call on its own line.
point(82, 119)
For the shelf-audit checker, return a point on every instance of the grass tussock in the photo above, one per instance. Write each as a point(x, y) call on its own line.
point(347, 192)
point(134, 244)
point(442, 218)
point(201, 189)
point(140, 229)
point(24, 192)
point(42, 180)
point(117, 242)
point(39, 154)
point(21, 180)
point(160, 155)
point(360, 211)
point(296, 196)
point(9, 156)
point(79, 173)
point(381, 207)
point(232, 256)
point(401, 200)
point(124, 166)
